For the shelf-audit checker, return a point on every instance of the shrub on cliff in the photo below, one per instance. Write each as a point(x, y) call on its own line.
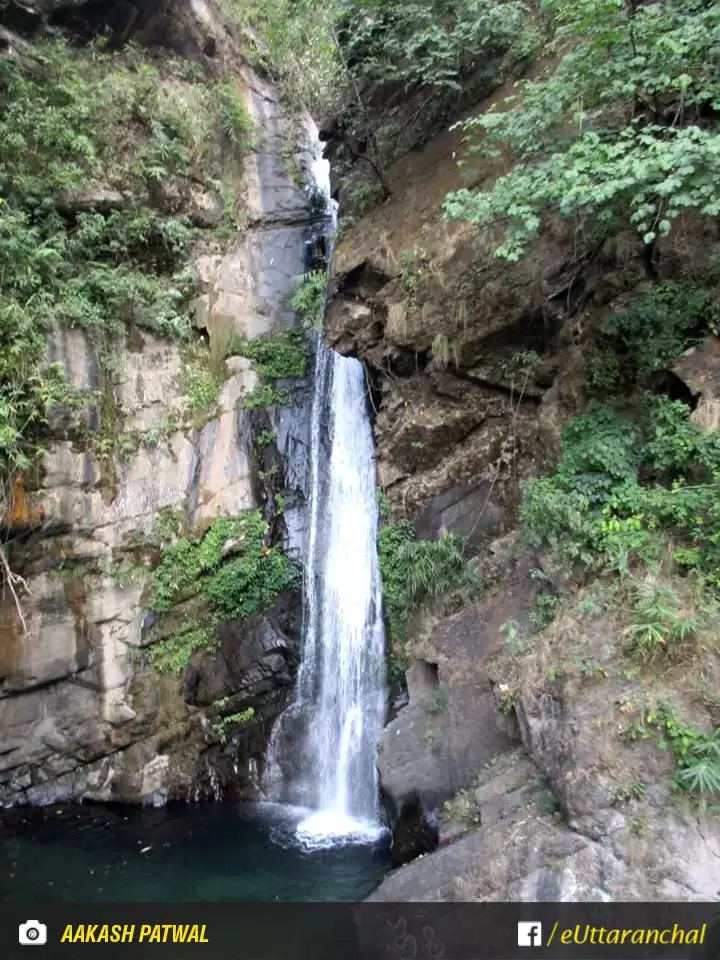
point(416, 572)
point(233, 568)
point(628, 492)
point(231, 565)
point(623, 131)
point(72, 251)
point(91, 141)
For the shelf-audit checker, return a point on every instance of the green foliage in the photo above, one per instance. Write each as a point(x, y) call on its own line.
point(362, 197)
point(637, 344)
point(625, 492)
point(280, 357)
point(697, 754)
point(235, 121)
point(395, 666)
point(174, 654)
point(294, 41)
point(432, 43)
point(320, 53)
point(309, 299)
point(70, 119)
point(266, 395)
point(232, 567)
point(659, 622)
point(384, 506)
point(244, 583)
point(411, 272)
point(125, 573)
point(415, 572)
point(265, 438)
point(519, 364)
point(250, 582)
point(167, 524)
point(223, 725)
point(618, 134)
point(202, 388)
point(546, 608)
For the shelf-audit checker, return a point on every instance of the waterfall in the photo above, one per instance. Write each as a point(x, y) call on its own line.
point(340, 694)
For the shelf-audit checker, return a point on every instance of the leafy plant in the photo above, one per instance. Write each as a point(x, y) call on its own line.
point(362, 197)
point(416, 572)
point(239, 583)
point(658, 622)
point(294, 41)
point(235, 121)
point(266, 395)
point(265, 438)
point(309, 299)
point(697, 754)
point(638, 343)
point(173, 654)
point(615, 135)
point(70, 118)
point(232, 567)
point(433, 44)
point(202, 390)
point(223, 725)
point(167, 524)
point(280, 357)
point(595, 513)
point(384, 506)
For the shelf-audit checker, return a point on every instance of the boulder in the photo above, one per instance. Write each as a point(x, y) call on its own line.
point(699, 369)
point(437, 744)
point(91, 199)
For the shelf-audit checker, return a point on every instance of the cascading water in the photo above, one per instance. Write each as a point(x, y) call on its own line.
point(341, 683)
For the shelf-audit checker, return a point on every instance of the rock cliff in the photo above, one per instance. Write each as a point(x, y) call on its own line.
point(84, 713)
point(512, 754)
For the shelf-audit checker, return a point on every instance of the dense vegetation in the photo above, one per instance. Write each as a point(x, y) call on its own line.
point(623, 132)
point(415, 574)
point(116, 130)
point(322, 54)
point(232, 567)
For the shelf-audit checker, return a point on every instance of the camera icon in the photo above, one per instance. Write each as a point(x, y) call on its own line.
point(32, 934)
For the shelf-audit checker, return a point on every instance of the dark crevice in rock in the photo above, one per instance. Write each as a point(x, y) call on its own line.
point(675, 388)
point(147, 22)
point(425, 675)
point(414, 830)
point(362, 280)
point(519, 392)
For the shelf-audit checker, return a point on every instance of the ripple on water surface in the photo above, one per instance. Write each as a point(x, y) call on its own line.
point(214, 852)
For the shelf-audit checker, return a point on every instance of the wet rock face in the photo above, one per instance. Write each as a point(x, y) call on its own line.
point(82, 713)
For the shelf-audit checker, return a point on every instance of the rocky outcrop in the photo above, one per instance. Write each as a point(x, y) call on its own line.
point(451, 726)
point(583, 808)
point(524, 851)
point(83, 713)
point(476, 365)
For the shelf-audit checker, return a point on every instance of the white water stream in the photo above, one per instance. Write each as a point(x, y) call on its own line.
point(341, 681)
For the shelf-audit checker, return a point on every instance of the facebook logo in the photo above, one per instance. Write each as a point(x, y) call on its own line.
point(530, 934)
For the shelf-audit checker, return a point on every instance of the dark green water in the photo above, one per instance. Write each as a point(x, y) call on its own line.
point(213, 852)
